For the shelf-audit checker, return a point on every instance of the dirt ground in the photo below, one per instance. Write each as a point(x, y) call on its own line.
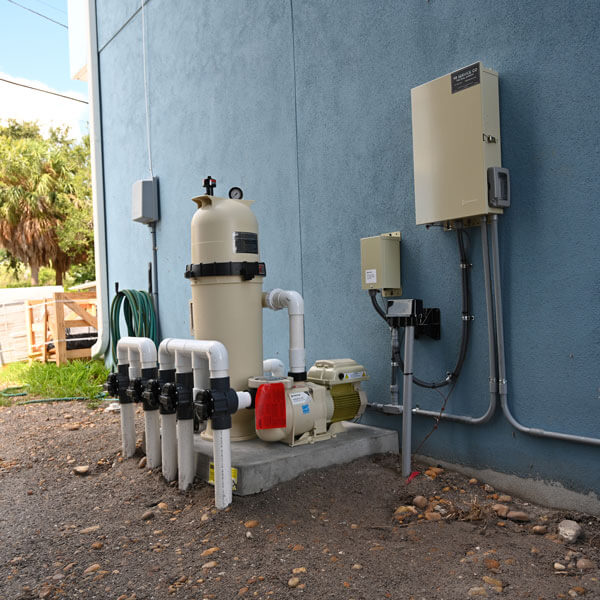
point(120, 532)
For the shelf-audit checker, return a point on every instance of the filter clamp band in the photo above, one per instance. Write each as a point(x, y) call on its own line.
point(246, 270)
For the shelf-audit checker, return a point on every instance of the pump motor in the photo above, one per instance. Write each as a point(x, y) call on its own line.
point(306, 412)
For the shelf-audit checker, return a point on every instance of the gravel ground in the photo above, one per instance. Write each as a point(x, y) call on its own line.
point(348, 532)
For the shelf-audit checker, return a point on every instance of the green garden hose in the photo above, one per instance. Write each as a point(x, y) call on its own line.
point(140, 317)
point(12, 392)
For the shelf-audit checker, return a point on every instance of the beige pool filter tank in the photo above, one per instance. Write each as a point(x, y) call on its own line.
point(226, 277)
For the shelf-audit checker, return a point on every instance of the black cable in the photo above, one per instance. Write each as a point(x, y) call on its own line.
point(30, 87)
point(466, 319)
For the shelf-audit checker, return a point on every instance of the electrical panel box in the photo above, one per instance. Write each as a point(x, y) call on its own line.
point(456, 138)
point(144, 201)
point(380, 263)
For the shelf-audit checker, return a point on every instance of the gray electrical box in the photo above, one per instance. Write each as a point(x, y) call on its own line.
point(144, 201)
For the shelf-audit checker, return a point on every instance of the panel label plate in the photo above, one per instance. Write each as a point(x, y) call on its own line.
point(465, 78)
point(370, 275)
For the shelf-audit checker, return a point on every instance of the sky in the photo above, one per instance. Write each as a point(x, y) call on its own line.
point(35, 51)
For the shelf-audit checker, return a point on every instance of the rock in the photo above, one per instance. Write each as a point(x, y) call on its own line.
point(142, 462)
point(501, 510)
point(298, 547)
point(162, 506)
point(433, 516)
point(293, 582)
point(420, 502)
point(357, 566)
point(436, 470)
point(431, 473)
point(242, 591)
point(299, 570)
point(488, 488)
point(92, 569)
point(90, 529)
point(518, 515)
point(72, 426)
point(585, 563)
point(97, 545)
point(81, 470)
point(559, 566)
point(68, 567)
point(473, 481)
point(251, 524)
point(477, 591)
point(405, 510)
point(211, 564)
point(249, 534)
point(577, 591)
point(504, 498)
point(210, 551)
point(148, 515)
point(495, 583)
point(45, 591)
point(539, 529)
point(569, 531)
point(491, 563)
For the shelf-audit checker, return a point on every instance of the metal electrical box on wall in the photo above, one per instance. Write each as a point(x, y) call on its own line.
point(144, 201)
point(456, 138)
point(380, 263)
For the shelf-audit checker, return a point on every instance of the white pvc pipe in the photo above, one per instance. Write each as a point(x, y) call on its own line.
point(277, 299)
point(185, 453)
point(138, 351)
point(222, 461)
point(244, 400)
point(152, 425)
point(169, 447)
point(274, 367)
point(128, 429)
point(213, 351)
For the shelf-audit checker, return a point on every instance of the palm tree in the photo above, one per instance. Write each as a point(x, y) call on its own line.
point(41, 195)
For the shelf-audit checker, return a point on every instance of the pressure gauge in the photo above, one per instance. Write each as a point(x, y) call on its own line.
point(235, 193)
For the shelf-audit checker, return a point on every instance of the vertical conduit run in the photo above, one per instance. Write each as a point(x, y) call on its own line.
point(409, 338)
point(502, 383)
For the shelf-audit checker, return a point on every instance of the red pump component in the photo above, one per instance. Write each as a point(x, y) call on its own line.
point(270, 411)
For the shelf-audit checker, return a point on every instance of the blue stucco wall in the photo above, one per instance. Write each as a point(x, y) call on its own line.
point(306, 105)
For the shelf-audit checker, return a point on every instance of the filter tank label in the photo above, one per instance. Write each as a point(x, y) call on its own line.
point(465, 78)
point(245, 242)
point(211, 475)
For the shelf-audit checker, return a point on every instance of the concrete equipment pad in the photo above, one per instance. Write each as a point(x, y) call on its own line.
point(261, 465)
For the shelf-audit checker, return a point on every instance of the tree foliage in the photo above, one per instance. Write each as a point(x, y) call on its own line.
point(45, 199)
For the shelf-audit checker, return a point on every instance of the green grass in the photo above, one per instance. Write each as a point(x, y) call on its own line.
point(77, 379)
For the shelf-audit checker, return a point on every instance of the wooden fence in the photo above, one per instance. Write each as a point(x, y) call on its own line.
point(47, 322)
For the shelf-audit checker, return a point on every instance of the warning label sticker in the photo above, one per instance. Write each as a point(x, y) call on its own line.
point(211, 475)
point(355, 375)
point(465, 78)
point(299, 397)
point(370, 275)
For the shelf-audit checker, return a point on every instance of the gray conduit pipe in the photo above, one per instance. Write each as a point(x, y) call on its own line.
point(489, 413)
point(502, 383)
point(409, 339)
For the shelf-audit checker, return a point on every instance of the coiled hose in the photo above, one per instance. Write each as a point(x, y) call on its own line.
point(466, 318)
point(140, 317)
